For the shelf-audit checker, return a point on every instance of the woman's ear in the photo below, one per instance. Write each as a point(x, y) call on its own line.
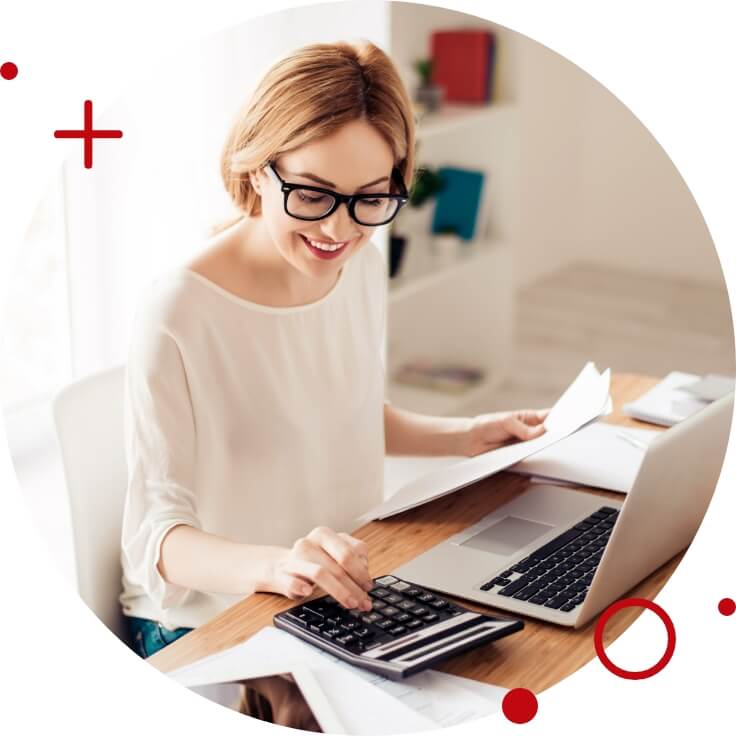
point(254, 182)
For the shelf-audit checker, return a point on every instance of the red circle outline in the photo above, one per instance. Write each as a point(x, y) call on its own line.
point(633, 674)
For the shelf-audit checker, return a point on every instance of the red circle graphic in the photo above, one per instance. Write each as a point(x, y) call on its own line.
point(601, 652)
point(727, 606)
point(8, 70)
point(520, 705)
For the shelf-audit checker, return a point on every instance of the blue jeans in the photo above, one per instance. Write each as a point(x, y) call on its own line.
point(148, 637)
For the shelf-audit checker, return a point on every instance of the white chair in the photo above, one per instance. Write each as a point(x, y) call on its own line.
point(89, 425)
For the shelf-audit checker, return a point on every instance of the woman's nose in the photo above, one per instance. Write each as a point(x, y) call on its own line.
point(339, 226)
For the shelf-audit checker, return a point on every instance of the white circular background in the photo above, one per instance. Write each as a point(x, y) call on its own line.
point(670, 62)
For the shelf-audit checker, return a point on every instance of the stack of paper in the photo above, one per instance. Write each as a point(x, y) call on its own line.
point(598, 455)
point(364, 702)
point(585, 400)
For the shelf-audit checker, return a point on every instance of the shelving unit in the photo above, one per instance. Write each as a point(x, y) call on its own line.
point(462, 313)
point(457, 308)
point(453, 117)
point(432, 268)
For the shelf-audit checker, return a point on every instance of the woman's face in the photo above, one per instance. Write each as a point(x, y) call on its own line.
point(348, 160)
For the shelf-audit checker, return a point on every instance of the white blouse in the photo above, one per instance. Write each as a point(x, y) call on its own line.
point(250, 422)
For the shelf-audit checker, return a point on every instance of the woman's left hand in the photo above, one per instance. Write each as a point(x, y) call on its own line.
point(489, 431)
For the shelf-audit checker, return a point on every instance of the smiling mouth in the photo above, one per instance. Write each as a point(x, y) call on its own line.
point(324, 247)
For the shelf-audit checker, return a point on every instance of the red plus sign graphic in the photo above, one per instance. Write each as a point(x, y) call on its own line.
point(88, 134)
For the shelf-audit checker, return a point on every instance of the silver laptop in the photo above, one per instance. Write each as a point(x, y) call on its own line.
point(564, 555)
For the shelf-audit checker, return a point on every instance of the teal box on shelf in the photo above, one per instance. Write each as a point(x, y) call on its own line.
point(458, 201)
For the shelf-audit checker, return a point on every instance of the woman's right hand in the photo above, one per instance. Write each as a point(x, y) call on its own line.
point(335, 561)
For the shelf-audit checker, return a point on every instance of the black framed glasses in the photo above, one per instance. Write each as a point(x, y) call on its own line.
point(306, 202)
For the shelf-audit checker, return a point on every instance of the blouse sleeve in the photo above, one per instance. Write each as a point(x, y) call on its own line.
point(160, 451)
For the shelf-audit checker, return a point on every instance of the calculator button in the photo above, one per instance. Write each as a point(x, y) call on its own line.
point(349, 625)
point(400, 586)
point(413, 624)
point(372, 618)
point(386, 580)
point(418, 610)
point(347, 639)
point(413, 592)
point(317, 608)
point(387, 623)
point(406, 605)
point(439, 603)
point(363, 633)
point(426, 598)
point(430, 617)
point(389, 611)
point(397, 630)
point(393, 598)
point(317, 628)
point(379, 592)
point(402, 617)
point(378, 605)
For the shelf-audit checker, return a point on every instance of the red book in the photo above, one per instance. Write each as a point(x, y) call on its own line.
point(462, 63)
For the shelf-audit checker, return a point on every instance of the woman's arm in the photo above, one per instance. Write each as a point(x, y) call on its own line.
point(409, 433)
point(198, 560)
point(337, 562)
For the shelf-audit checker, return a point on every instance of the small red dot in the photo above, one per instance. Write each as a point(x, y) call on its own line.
point(727, 606)
point(520, 705)
point(8, 70)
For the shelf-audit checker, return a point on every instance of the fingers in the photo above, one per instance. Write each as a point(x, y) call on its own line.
point(350, 554)
point(360, 548)
point(532, 416)
point(331, 579)
point(292, 585)
point(523, 431)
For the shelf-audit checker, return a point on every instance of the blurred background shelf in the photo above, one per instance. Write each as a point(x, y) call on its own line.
point(453, 117)
point(439, 403)
point(426, 268)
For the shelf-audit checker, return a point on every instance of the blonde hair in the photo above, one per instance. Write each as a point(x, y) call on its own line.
point(308, 95)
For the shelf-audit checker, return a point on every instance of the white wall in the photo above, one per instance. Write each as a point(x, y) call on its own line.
point(640, 212)
point(595, 184)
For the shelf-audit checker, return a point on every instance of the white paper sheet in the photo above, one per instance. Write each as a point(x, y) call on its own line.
point(585, 399)
point(596, 455)
point(365, 702)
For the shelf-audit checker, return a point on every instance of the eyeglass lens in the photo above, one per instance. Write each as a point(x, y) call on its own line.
point(313, 205)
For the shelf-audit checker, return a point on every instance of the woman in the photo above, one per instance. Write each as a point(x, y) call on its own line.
point(255, 420)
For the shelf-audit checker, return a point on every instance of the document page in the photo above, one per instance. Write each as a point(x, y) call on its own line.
point(599, 455)
point(365, 702)
point(586, 399)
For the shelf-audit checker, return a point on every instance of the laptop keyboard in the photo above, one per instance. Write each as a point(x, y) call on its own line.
point(559, 573)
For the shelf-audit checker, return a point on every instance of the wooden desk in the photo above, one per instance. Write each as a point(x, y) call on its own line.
point(536, 657)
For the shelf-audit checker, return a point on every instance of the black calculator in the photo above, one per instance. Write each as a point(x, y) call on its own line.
point(408, 629)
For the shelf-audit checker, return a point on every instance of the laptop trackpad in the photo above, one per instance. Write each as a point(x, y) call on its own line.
point(507, 535)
